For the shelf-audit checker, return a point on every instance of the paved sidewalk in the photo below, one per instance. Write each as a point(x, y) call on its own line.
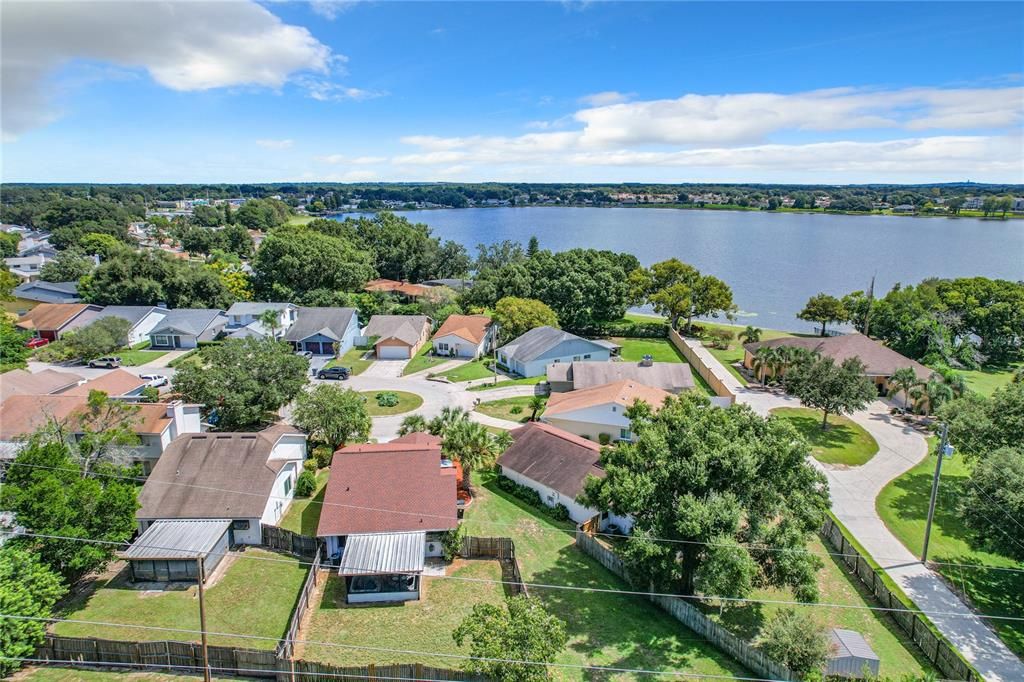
point(165, 359)
point(488, 420)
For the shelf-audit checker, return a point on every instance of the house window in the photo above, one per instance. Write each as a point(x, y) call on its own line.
point(241, 524)
point(575, 358)
point(287, 485)
point(625, 434)
point(614, 409)
point(161, 340)
point(442, 347)
point(587, 356)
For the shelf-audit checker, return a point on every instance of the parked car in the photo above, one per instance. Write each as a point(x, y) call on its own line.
point(308, 354)
point(336, 373)
point(37, 342)
point(154, 380)
point(109, 362)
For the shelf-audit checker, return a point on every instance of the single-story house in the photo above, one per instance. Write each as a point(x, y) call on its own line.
point(380, 527)
point(850, 655)
point(46, 382)
point(531, 353)
point(156, 424)
point(591, 412)
point(880, 361)
point(324, 331)
point(397, 337)
point(116, 383)
point(143, 318)
point(465, 336)
point(51, 320)
point(556, 464)
point(247, 478)
point(186, 327)
point(48, 292)
point(674, 377)
point(244, 318)
point(171, 549)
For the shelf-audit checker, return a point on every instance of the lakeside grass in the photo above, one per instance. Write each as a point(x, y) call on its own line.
point(987, 379)
point(903, 506)
point(845, 442)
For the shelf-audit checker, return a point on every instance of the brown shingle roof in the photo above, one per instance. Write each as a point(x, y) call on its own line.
point(420, 438)
point(623, 393)
point(553, 457)
point(21, 415)
point(213, 475)
point(388, 487)
point(472, 328)
point(51, 316)
point(408, 329)
point(878, 359)
point(23, 382)
point(114, 383)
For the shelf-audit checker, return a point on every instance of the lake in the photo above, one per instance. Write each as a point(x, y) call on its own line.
point(773, 261)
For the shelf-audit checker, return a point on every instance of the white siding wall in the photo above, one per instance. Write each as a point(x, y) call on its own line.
point(552, 498)
point(279, 499)
point(348, 340)
point(141, 331)
point(464, 348)
point(590, 422)
point(253, 536)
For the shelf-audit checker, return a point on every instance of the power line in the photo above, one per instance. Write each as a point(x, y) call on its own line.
point(759, 548)
point(409, 652)
point(576, 588)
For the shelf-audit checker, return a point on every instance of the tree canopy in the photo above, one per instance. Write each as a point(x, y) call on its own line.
point(332, 415)
point(679, 291)
point(28, 588)
point(823, 385)
point(151, 277)
point(706, 487)
point(824, 309)
point(294, 263)
point(70, 265)
point(516, 316)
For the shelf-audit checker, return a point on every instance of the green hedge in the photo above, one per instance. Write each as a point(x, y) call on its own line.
point(532, 498)
point(626, 329)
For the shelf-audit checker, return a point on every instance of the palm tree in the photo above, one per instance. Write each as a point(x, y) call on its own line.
point(956, 382)
point(503, 441)
point(764, 357)
point(930, 395)
point(751, 334)
point(537, 403)
point(414, 423)
point(904, 379)
point(472, 445)
point(444, 422)
point(271, 319)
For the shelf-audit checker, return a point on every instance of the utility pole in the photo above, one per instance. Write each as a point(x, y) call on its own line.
point(871, 301)
point(945, 450)
point(202, 618)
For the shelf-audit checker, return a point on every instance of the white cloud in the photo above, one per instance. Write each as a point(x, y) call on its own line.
point(275, 144)
point(324, 90)
point(600, 99)
point(182, 45)
point(331, 9)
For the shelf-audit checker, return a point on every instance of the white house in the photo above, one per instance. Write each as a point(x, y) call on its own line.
point(556, 464)
point(247, 478)
point(244, 319)
point(324, 331)
point(142, 318)
point(186, 327)
point(601, 410)
point(465, 336)
point(530, 354)
point(26, 268)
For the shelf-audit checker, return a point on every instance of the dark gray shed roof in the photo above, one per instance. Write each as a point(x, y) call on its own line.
point(851, 643)
point(178, 539)
point(668, 376)
point(133, 313)
point(383, 553)
point(329, 322)
point(48, 292)
point(538, 341)
point(192, 321)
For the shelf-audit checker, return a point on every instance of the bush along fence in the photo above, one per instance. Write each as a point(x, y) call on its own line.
point(935, 648)
point(709, 372)
point(690, 616)
point(502, 549)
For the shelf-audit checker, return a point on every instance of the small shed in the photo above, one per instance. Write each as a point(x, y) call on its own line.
point(169, 549)
point(851, 655)
point(383, 567)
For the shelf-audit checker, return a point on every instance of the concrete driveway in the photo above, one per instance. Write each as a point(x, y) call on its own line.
point(385, 369)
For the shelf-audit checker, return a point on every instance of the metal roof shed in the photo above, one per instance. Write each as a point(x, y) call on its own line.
point(851, 655)
point(383, 567)
point(169, 549)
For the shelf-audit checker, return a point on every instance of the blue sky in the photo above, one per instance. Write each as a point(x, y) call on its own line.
point(672, 92)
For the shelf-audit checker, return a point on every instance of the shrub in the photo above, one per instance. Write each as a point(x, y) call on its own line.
point(604, 438)
point(387, 399)
point(720, 338)
point(306, 484)
point(452, 542)
point(796, 641)
point(150, 394)
point(323, 455)
point(625, 329)
point(532, 497)
point(516, 409)
point(310, 465)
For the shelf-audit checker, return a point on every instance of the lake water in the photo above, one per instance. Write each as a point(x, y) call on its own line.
point(773, 261)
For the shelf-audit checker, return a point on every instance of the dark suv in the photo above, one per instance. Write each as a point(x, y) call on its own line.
point(335, 373)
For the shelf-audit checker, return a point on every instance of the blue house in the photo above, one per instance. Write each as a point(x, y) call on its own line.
point(530, 354)
point(324, 331)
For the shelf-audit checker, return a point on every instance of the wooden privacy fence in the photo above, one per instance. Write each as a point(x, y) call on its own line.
point(690, 616)
point(188, 657)
point(934, 647)
point(286, 647)
point(502, 549)
point(288, 541)
point(710, 373)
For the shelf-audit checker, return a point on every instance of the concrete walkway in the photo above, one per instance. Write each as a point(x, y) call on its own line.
point(854, 491)
point(488, 420)
point(437, 369)
point(165, 359)
point(385, 369)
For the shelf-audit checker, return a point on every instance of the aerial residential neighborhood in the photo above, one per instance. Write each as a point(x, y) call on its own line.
point(511, 341)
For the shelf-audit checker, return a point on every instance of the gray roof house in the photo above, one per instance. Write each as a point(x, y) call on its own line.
point(530, 354)
point(324, 331)
point(186, 327)
point(48, 292)
point(143, 318)
point(673, 377)
point(244, 318)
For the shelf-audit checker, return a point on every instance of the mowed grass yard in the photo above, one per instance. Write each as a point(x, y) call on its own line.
point(407, 402)
point(844, 442)
point(134, 358)
point(897, 654)
point(527, 381)
point(354, 360)
point(476, 369)
point(303, 513)
point(424, 359)
point(903, 505)
point(506, 409)
point(252, 597)
point(634, 350)
point(420, 626)
point(605, 629)
point(985, 381)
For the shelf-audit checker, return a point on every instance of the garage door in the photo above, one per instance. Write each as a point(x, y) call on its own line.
point(393, 352)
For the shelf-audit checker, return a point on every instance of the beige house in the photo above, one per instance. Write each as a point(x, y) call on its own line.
point(591, 412)
point(397, 337)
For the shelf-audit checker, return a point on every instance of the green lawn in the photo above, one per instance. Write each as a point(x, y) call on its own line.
point(303, 514)
point(300, 219)
point(897, 654)
point(251, 598)
point(189, 358)
point(134, 358)
point(661, 350)
point(353, 359)
point(424, 360)
point(528, 381)
point(845, 441)
point(503, 409)
point(986, 380)
point(903, 505)
point(604, 628)
point(477, 369)
point(407, 402)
